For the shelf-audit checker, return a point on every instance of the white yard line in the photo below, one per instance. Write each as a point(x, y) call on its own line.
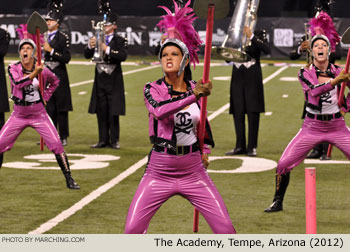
point(104, 188)
point(124, 73)
point(270, 77)
point(226, 106)
point(81, 83)
point(218, 112)
point(89, 198)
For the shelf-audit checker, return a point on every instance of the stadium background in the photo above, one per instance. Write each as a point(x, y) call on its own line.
point(36, 196)
point(281, 8)
point(284, 22)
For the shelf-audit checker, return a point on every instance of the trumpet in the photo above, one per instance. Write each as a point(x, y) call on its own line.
point(308, 38)
point(99, 32)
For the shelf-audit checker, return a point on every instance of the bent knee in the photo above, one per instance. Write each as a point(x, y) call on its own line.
point(226, 228)
point(56, 147)
point(134, 229)
point(4, 148)
point(284, 167)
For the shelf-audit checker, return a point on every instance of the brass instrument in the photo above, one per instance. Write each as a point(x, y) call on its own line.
point(235, 43)
point(308, 38)
point(99, 32)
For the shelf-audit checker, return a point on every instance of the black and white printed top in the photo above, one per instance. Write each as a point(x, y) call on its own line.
point(186, 121)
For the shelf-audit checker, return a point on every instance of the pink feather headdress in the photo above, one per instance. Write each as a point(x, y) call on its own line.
point(323, 24)
point(179, 25)
point(24, 34)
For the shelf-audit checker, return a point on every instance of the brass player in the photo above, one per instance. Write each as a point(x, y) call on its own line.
point(57, 55)
point(108, 98)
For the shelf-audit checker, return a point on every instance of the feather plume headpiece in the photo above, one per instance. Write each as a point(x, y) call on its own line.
point(323, 25)
point(24, 34)
point(179, 25)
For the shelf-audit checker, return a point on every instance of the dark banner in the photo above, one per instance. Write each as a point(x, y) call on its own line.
point(285, 33)
point(143, 35)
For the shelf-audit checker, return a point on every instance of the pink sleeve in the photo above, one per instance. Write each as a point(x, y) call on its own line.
point(311, 86)
point(17, 78)
point(161, 108)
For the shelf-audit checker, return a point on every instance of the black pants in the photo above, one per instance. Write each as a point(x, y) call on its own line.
point(253, 129)
point(108, 124)
point(322, 148)
point(59, 118)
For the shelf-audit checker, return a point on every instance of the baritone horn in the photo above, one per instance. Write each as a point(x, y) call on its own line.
point(235, 43)
point(98, 30)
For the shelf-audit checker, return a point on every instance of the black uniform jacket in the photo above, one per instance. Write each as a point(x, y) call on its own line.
point(4, 45)
point(118, 53)
point(61, 56)
point(246, 83)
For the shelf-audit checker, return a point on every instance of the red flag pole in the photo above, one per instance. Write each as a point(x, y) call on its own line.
point(341, 95)
point(205, 79)
point(40, 77)
point(329, 151)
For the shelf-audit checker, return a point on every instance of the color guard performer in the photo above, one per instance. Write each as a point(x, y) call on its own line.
point(29, 109)
point(176, 166)
point(324, 120)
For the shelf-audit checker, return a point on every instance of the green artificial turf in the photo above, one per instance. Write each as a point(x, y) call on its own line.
point(29, 198)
